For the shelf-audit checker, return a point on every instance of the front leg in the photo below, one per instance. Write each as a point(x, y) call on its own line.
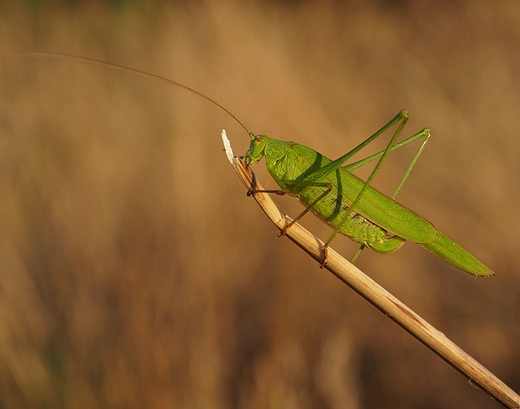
point(279, 192)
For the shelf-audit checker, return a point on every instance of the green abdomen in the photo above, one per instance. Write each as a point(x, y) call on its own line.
point(332, 211)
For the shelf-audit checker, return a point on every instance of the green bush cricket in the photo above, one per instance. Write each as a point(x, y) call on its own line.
point(330, 190)
point(350, 205)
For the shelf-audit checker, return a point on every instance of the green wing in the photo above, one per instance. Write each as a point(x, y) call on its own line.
point(451, 252)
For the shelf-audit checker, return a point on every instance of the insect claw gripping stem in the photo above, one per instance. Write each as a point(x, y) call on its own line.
point(323, 261)
point(283, 231)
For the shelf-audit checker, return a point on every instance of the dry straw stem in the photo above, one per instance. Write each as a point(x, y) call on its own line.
point(377, 295)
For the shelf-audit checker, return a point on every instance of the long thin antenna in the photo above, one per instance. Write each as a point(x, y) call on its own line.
point(133, 71)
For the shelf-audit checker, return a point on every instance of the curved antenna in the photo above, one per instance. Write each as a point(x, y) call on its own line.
point(136, 72)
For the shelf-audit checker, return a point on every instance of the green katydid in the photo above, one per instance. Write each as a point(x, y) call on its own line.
point(350, 205)
point(330, 190)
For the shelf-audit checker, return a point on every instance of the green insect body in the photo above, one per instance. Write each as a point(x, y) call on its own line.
point(329, 189)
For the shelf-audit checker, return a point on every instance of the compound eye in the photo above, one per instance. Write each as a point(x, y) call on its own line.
point(258, 140)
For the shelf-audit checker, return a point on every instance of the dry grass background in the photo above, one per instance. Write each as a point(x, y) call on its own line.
point(134, 272)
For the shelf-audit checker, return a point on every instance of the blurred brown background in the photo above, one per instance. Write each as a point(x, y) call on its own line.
point(135, 272)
